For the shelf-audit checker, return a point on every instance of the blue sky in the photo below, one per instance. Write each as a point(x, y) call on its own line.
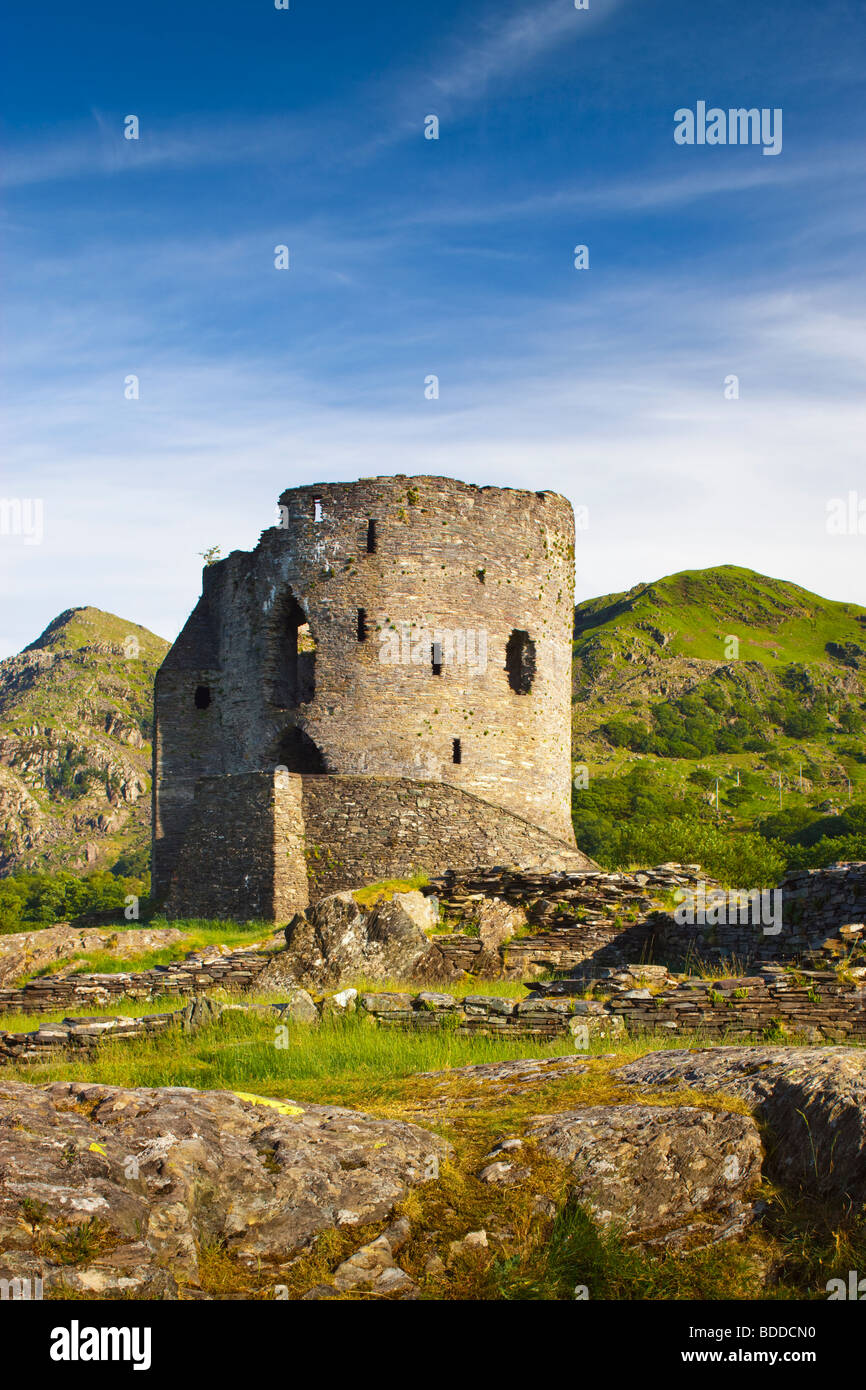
point(413, 257)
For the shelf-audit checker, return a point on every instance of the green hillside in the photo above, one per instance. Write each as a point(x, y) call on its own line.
point(720, 676)
point(76, 710)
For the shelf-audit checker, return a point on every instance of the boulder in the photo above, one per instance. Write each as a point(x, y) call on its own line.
point(651, 1168)
point(498, 921)
point(339, 940)
point(299, 1007)
point(374, 1270)
point(812, 1099)
point(111, 1189)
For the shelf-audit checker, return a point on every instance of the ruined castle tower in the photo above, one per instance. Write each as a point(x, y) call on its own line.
point(383, 685)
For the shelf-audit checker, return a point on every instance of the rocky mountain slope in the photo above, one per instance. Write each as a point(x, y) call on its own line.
point(76, 709)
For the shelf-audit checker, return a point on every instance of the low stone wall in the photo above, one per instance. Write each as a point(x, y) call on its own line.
point(814, 1003)
point(823, 912)
point(575, 917)
point(542, 1019)
point(488, 1014)
point(811, 1004)
point(77, 1036)
point(198, 974)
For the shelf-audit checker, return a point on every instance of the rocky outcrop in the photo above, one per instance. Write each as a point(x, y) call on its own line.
point(652, 1169)
point(23, 953)
point(812, 1099)
point(338, 939)
point(108, 1190)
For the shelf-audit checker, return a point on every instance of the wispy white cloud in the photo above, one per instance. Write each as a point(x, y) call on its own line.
point(489, 51)
point(504, 45)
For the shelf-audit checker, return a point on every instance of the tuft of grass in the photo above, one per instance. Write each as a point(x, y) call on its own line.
point(387, 887)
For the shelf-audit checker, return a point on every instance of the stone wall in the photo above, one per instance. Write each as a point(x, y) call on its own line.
point(823, 912)
point(776, 1004)
point(604, 919)
point(362, 829)
point(243, 859)
point(282, 841)
point(198, 974)
point(575, 917)
point(279, 665)
point(817, 1004)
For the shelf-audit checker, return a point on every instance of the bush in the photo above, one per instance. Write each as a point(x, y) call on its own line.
point(638, 819)
point(737, 858)
point(826, 851)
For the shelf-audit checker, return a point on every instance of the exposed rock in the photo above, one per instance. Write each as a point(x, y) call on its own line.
point(521, 1071)
point(813, 1099)
point(504, 1174)
point(648, 1167)
point(338, 939)
point(299, 1007)
point(498, 921)
point(373, 1268)
point(398, 1233)
point(158, 1172)
point(93, 673)
point(471, 1244)
point(507, 1146)
point(23, 953)
point(339, 1004)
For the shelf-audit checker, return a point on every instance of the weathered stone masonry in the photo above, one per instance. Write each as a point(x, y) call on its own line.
point(279, 667)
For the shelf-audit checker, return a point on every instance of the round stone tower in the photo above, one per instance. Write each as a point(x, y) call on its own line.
point(400, 627)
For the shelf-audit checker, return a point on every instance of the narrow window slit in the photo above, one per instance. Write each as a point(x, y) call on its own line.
point(371, 537)
point(317, 509)
point(520, 661)
point(202, 696)
point(362, 624)
point(436, 658)
point(456, 751)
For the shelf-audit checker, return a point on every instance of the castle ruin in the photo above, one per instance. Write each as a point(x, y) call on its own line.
point(381, 687)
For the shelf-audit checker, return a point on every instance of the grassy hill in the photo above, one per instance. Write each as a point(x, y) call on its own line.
point(719, 676)
point(76, 710)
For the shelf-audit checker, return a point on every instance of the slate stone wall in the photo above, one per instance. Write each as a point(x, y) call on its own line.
point(264, 845)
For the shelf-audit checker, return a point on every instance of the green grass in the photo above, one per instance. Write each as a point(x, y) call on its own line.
point(345, 1060)
point(776, 621)
point(502, 989)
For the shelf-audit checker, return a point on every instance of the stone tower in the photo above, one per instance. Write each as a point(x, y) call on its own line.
point(382, 685)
